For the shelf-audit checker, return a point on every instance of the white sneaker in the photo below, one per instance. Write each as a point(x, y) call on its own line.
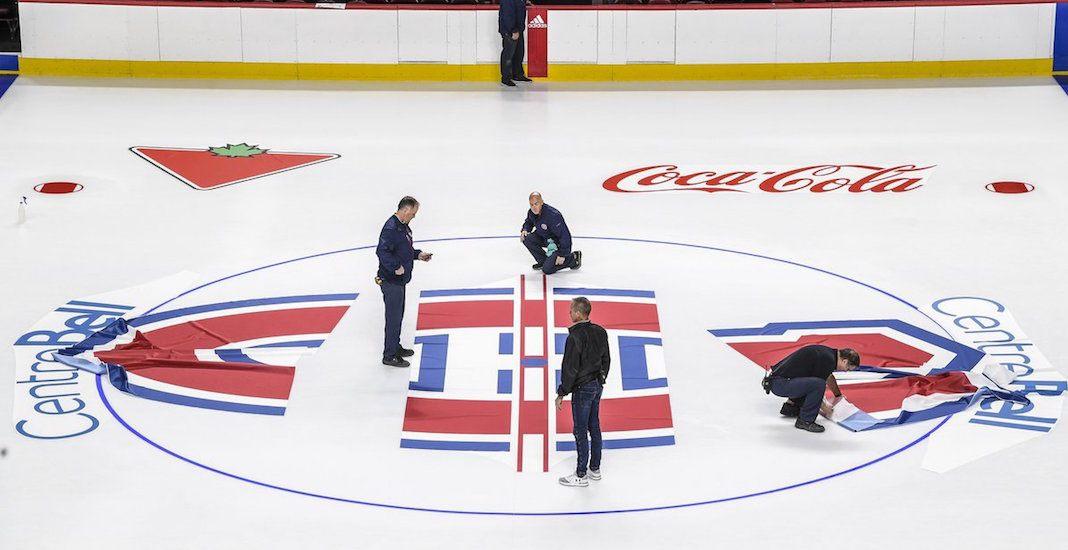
point(594, 475)
point(574, 481)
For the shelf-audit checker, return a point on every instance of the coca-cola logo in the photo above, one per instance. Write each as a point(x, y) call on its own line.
point(821, 178)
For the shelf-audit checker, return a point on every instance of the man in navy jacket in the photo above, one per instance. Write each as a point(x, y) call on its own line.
point(542, 224)
point(396, 256)
point(511, 22)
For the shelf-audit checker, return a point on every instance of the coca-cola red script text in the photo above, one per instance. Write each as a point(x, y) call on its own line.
point(823, 178)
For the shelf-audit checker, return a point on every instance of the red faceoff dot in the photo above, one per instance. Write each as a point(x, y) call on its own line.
point(58, 187)
point(1010, 187)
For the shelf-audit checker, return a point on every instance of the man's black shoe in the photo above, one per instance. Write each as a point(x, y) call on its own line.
point(790, 410)
point(405, 352)
point(578, 260)
point(395, 362)
point(536, 267)
point(808, 426)
point(507, 82)
point(521, 78)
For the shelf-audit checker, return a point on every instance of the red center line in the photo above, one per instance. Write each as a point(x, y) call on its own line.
point(522, 385)
point(545, 388)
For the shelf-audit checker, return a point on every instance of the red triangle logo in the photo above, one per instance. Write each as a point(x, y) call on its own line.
point(216, 167)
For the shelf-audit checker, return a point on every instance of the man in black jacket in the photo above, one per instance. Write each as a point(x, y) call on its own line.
point(511, 22)
point(396, 254)
point(804, 376)
point(584, 371)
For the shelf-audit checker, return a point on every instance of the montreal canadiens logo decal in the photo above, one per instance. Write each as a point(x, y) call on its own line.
point(822, 178)
point(489, 362)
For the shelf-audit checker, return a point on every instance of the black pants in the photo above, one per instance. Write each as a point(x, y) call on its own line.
point(806, 393)
point(536, 245)
point(393, 296)
point(512, 57)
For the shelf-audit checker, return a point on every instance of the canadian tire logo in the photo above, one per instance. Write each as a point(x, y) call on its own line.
point(820, 178)
point(214, 167)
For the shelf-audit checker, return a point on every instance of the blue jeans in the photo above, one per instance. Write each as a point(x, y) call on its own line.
point(536, 245)
point(393, 297)
point(807, 393)
point(585, 414)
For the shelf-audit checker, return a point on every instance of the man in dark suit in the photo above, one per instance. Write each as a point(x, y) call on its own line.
point(396, 256)
point(511, 22)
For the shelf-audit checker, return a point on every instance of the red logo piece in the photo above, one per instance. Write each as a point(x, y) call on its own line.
point(58, 187)
point(216, 167)
point(1011, 187)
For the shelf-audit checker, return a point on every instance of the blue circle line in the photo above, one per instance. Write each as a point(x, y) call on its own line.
point(131, 429)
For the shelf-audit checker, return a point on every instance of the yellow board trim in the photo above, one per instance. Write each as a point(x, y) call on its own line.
point(557, 72)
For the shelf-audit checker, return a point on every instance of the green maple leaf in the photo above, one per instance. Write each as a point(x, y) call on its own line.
point(238, 150)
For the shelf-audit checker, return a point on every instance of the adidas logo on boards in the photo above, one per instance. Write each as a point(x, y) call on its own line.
point(537, 23)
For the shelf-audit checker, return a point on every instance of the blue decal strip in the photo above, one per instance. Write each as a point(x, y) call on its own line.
point(859, 421)
point(505, 343)
point(236, 356)
point(633, 365)
point(454, 445)
point(534, 362)
point(938, 411)
point(176, 399)
point(80, 363)
point(174, 313)
point(560, 340)
point(504, 381)
point(466, 292)
point(113, 330)
point(294, 344)
point(623, 443)
point(604, 292)
point(431, 363)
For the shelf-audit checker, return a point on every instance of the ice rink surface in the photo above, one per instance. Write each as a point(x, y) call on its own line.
point(330, 473)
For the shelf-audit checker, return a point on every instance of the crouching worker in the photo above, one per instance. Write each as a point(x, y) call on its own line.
point(803, 378)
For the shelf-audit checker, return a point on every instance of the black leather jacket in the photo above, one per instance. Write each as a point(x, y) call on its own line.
point(585, 356)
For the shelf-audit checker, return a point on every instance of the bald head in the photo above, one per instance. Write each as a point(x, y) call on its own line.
point(536, 203)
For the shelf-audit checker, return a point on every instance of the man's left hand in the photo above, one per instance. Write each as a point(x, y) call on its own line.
point(425, 256)
point(827, 407)
point(559, 260)
point(559, 402)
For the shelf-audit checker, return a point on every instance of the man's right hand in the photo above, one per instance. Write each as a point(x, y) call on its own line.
point(523, 234)
point(400, 270)
point(515, 35)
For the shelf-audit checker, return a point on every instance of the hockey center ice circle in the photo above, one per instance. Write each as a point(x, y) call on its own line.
point(549, 479)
